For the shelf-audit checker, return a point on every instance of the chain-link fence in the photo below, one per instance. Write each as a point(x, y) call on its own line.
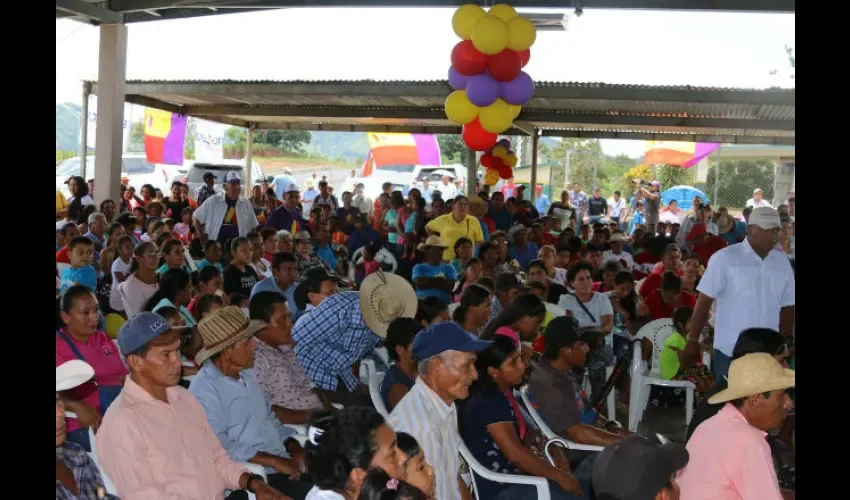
point(737, 181)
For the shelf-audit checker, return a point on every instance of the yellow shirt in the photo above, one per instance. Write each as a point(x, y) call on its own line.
point(61, 202)
point(450, 231)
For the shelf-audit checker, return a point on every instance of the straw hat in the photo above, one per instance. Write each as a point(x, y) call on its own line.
point(432, 241)
point(310, 183)
point(383, 298)
point(753, 374)
point(224, 328)
point(618, 238)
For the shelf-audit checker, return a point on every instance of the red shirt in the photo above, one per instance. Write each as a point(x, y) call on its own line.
point(706, 249)
point(658, 309)
point(491, 226)
point(653, 281)
point(62, 255)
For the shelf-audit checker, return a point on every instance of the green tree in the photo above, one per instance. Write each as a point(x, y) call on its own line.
point(288, 140)
point(543, 153)
point(672, 175)
point(452, 148)
point(738, 178)
point(136, 138)
point(627, 183)
point(236, 138)
point(583, 154)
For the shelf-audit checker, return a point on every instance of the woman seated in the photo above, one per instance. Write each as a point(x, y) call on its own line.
point(175, 290)
point(342, 446)
point(142, 283)
point(77, 476)
point(473, 312)
point(497, 433)
point(402, 374)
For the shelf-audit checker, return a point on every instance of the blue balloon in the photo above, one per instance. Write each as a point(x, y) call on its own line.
point(482, 90)
point(456, 80)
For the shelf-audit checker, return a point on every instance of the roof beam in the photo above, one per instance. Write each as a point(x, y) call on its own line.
point(150, 102)
point(90, 11)
point(651, 136)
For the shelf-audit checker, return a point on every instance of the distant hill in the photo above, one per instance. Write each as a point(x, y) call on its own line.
point(346, 146)
point(67, 127)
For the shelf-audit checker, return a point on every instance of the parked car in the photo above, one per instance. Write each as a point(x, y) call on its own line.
point(194, 176)
point(135, 171)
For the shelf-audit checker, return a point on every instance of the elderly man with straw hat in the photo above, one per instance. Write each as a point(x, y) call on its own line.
point(434, 278)
point(234, 402)
point(344, 328)
point(729, 457)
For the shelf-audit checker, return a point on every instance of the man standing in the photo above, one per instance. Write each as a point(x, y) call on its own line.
point(597, 207)
point(288, 217)
point(363, 203)
point(226, 215)
point(542, 201)
point(155, 441)
point(325, 197)
point(281, 182)
point(426, 189)
point(753, 285)
point(579, 200)
point(616, 209)
point(283, 279)
point(729, 457)
point(757, 201)
point(310, 193)
point(208, 189)
point(234, 403)
point(446, 355)
point(652, 203)
point(448, 188)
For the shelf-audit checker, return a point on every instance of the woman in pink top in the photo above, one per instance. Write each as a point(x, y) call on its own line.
point(80, 339)
point(520, 321)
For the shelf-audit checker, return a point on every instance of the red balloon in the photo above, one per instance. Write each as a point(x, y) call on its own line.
point(476, 138)
point(486, 160)
point(504, 66)
point(506, 172)
point(466, 59)
point(524, 56)
point(497, 163)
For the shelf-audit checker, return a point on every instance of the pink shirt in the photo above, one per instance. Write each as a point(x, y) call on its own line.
point(102, 354)
point(729, 460)
point(151, 449)
point(508, 332)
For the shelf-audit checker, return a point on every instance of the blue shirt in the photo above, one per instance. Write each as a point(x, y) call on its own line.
point(279, 183)
point(637, 218)
point(330, 339)
point(239, 413)
point(270, 285)
point(441, 270)
point(739, 230)
point(524, 257)
point(502, 219)
point(204, 263)
point(83, 275)
point(391, 377)
point(326, 253)
point(542, 203)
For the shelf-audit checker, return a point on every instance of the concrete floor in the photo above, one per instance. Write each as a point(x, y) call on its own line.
point(669, 422)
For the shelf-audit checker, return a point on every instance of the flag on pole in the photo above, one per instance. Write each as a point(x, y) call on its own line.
point(683, 154)
point(165, 134)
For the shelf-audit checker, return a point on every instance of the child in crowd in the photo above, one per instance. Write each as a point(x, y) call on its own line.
point(637, 218)
point(81, 253)
point(239, 276)
point(260, 264)
point(172, 256)
point(212, 253)
point(418, 472)
point(270, 242)
point(378, 485)
point(183, 229)
point(370, 252)
point(675, 365)
point(471, 274)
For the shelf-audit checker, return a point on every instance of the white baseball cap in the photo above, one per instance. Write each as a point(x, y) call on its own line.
point(757, 190)
point(72, 373)
point(765, 218)
point(232, 178)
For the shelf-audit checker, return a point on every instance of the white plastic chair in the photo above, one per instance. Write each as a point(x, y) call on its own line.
point(382, 353)
point(657, 332)
point(544, 427)
point(452, 307)
point(475, 466)
point(127, 309)
point(187, 256)
point(555, 310)
point(367, 368)
point(375, 381)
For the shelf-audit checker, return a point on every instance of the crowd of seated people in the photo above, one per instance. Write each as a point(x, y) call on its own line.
point(230, 354)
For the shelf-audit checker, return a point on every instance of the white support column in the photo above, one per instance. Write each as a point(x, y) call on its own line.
point(532, 196)
point(471, 173)
point(249, 161)
point(111, 76)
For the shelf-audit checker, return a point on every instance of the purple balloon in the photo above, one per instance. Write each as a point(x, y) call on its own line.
point(506, 143)
point(518, 91)
point(482, 90)
point(456, 80)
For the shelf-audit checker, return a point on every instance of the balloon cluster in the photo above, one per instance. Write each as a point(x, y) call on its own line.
point(486, 74)
point(500, 161)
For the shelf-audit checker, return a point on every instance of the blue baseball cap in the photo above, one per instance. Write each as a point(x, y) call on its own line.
point(443, 337)
point(140, 331)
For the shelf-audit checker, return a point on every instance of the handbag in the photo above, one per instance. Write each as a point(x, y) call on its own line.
point(106, 393)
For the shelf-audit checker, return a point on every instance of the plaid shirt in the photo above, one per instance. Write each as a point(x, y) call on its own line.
point(85, 473)
point(330, 339)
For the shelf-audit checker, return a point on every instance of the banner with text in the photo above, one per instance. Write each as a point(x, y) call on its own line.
point(209, 141)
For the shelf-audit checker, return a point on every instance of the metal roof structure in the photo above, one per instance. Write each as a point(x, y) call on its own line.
point(134, 11)
point(564, 109)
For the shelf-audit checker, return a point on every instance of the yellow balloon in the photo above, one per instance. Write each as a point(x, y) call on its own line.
point(490, 35)
point(499, 151)
point(503, 11)
point(491, 177)
point(515, 110)
point(511, 160)
point(459, 109)
point(521, 34)
point(465, 18)
point(496, 118)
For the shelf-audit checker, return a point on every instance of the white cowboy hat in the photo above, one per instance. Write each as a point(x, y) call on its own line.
point(385, 297)
point(72, 373)
point(618, 238)
point(754, 373)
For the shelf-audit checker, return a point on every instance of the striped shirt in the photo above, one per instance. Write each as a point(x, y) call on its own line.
point(422, 414)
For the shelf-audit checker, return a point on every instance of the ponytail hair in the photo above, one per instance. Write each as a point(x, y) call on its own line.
point(138, 252)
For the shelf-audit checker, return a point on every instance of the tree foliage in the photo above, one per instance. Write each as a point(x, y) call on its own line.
point(287, 140)
point(627, 183)
point(136, 138)
point(673, 175)
point(452, 148)
point(738, 179)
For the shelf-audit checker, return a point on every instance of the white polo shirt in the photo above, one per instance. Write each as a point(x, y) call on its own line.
point(749, 291)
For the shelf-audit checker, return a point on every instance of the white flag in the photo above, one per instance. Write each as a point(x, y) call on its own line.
point(209, 141)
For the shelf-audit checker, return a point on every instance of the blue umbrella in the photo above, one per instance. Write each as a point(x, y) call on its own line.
point(684, 196)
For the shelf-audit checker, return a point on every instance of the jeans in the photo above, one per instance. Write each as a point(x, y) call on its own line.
point(593, 219)
point(721, 364)
point(524, 492)
point(289, 487)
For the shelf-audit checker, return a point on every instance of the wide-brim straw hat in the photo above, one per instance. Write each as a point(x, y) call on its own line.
point(431, 241)
point(224, 328)
point(754, 373)
point(385, 297)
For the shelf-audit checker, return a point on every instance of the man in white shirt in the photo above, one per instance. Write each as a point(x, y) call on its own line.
point(757, 201)
point(225, 215)
point(446, 355)
point(618, 239)
point(616, 207)
point(753, 285)
point(448, 188)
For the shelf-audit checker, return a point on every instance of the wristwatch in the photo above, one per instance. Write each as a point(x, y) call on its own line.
point(251, 480)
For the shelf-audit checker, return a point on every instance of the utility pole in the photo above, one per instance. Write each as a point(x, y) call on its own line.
point(567, 167)
point(596, 164)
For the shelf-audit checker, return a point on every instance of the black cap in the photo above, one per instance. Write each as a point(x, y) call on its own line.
point(636, 468)
point(563, 331)
point(209, 175)
point(505, 282)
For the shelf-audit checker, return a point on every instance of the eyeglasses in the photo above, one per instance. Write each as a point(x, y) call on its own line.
point(155, 254)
